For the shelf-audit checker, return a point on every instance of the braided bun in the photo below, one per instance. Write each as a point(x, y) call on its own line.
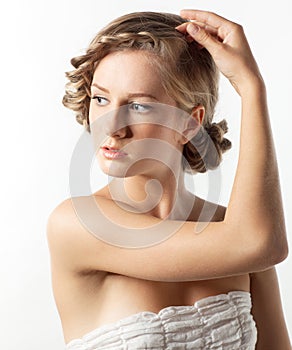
point(204, 151)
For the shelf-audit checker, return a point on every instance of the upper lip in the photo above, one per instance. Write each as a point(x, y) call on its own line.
point(111, 148)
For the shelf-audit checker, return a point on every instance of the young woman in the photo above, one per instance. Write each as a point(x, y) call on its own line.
point(194, 288)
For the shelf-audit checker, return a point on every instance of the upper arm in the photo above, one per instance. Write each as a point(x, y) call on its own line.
point(267, 311)
point(217, 251)
point(69, 242)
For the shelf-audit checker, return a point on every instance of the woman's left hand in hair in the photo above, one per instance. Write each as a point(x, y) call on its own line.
point(227, 43)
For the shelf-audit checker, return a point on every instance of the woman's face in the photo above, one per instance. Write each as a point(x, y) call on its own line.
point(130, 111)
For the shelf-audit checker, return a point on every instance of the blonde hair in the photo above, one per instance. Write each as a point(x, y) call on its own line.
point(188, 74)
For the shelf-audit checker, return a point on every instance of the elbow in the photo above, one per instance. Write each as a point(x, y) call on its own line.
point(273, 250)
point(267, 246)
point(280, 252)
point(279, 244)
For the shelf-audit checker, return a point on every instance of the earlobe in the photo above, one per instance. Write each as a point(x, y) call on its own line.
point(194, 123)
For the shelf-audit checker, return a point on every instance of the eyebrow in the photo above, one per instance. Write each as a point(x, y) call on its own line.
point(137, 94)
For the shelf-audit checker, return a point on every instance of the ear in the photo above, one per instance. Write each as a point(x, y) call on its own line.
point(194, 122)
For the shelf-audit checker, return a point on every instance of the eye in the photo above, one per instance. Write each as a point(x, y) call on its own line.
point(140, 108)
point(102, 101)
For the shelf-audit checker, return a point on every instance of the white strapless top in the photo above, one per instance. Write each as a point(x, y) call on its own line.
point(222, 322)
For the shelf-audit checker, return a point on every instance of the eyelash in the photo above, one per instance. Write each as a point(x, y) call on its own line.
point(145, 107)
point(97, 98)
point(132, 105)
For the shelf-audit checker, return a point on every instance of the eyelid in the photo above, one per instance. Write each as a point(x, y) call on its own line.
point(146, 106)
point(96, 97)
point(142, 103)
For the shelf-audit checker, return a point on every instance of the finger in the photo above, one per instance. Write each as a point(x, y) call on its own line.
point(204, 38)
point(182, 27)
point(206, 17)
point(183, 30)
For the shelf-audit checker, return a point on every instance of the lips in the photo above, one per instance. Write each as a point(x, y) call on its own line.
point(113, 152)
point(110, 148)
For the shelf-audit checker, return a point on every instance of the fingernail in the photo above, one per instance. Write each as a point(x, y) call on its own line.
point(193, 28)
point(180, 25)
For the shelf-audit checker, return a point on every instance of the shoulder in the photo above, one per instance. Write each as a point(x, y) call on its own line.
point(57, 219)
point(208, 211)
point(60, 230)
point(67, 236)
point(61, 220)
point(74, 230)
point(62, 208)
point(67, 215)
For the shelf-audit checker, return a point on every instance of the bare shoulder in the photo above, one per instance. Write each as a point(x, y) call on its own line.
point(67, 236)
point(59, 227)
point(59, 214)
point(74, 246)
point(210, 211)
point(62, 222)
point(74, 249)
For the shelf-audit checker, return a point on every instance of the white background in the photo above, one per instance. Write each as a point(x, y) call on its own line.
point(38, 135)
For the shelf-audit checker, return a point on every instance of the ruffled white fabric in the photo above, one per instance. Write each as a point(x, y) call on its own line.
point(222, 322)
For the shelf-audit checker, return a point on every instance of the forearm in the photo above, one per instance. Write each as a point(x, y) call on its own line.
point(268, 312)
point(255, 206)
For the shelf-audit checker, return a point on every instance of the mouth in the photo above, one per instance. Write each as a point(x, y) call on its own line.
point(113, 153)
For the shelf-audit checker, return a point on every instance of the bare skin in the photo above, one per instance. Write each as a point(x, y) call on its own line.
point(90, 299)
point(95, 283)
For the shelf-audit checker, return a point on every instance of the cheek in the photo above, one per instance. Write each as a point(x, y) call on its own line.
point(144, 130)
point(97, 118)
point(155, 131)
point(96, 111)
point(167, 134)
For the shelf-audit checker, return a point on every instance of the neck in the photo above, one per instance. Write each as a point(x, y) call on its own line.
point(163, 196)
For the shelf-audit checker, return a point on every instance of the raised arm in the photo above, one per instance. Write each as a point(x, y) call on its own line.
point(251, 237)
point(255, 204)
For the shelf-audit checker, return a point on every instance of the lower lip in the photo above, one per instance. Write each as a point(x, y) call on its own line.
point(113, 154)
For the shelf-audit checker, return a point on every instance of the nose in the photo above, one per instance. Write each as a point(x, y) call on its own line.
point(116, 122)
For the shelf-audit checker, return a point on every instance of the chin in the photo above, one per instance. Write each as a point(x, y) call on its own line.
point(120, 169)
point(116, 170)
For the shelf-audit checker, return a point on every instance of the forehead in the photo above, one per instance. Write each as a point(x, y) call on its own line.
point(129, 66)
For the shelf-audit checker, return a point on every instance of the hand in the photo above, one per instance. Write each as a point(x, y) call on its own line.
point(226, 42)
